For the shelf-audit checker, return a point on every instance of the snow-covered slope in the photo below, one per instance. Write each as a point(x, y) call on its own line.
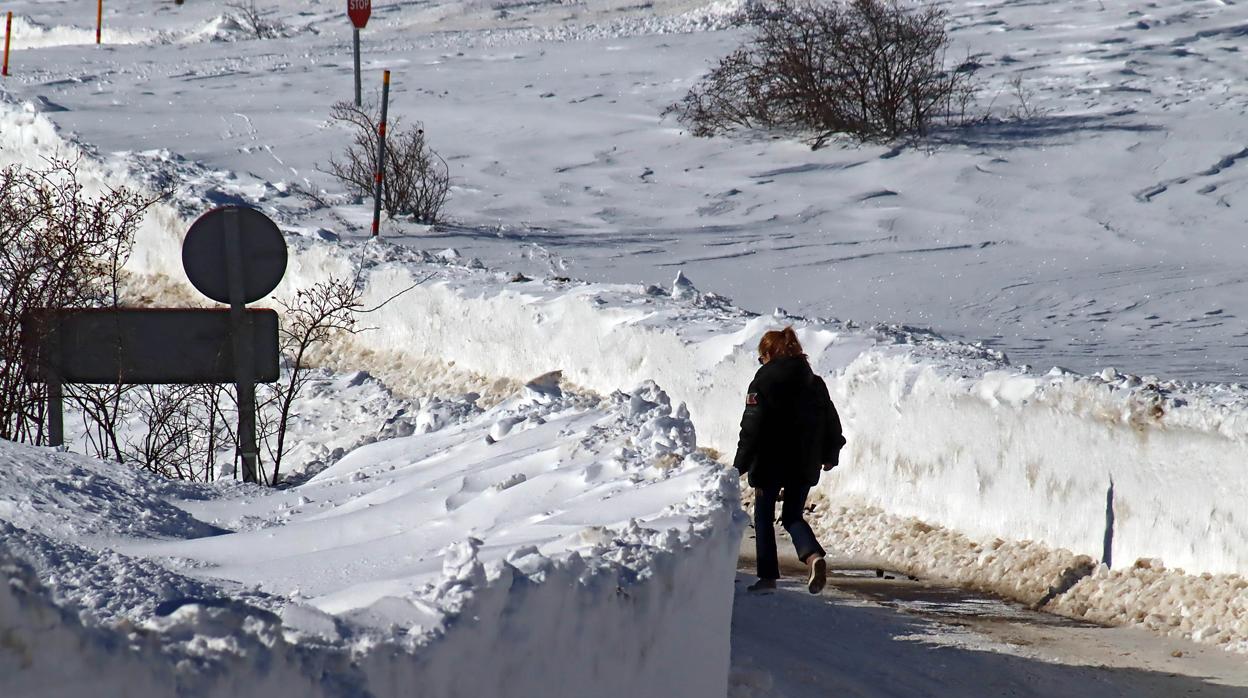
point(1096, 229)
point(577, 545)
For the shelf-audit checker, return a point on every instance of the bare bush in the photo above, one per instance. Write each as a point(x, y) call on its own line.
point(417, 179)
point(1024, 108)
point(183, 428)
point(255, 20)
point(59, 248)
point(314, 317)
point(874, 69)
point(103, 409)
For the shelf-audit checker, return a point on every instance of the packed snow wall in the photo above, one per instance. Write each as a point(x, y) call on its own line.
point(1109, 467)
point(96, 592)
point(576, 632)
point(935, 431)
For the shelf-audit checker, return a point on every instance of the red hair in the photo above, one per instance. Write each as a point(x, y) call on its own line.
point(779, 344)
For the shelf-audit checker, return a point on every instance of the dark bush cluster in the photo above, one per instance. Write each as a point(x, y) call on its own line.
point(255, 20)
point(874, 69)
point(417, 179)
point(59, 248)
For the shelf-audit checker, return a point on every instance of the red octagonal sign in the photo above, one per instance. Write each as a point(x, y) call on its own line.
point(359, 10)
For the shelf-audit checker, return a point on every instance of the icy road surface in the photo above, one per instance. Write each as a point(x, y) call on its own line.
point(877, 637)
point(794, 645)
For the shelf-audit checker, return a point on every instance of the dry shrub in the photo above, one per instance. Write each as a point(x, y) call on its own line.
point(314, 317)
point(184, 426)
point(874, 69)
point(59, 248)
point(256, 20)
point(417, 179)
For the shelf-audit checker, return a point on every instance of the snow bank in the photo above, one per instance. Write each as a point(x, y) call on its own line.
point(1016, 467)
point(28, 138)
point(581, 544)
point(1092, 465)
point(1000, 452)
point(29, 34)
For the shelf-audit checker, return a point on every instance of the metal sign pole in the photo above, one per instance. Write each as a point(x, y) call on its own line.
point(56, 413)
point(380, 176)
point(54, 386)
point(241, 331)
point(356, 36)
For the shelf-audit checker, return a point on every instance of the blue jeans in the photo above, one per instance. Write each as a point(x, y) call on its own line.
point(791, 518)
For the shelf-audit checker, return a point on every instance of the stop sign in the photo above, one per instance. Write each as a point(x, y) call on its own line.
point(358, 11)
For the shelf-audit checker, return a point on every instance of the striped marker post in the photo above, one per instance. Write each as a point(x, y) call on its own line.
point(380, 175)
point(8, 32)
point(99, 19)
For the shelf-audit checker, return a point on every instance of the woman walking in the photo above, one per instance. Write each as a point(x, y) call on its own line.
point(789, 430)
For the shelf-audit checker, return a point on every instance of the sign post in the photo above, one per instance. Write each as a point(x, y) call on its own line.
point(358, 11)
point(240, 330)
point(237, 255)
point(56, 394)
point(379, 178)
point(233, 255)
point(355, 38)
point(8, 31)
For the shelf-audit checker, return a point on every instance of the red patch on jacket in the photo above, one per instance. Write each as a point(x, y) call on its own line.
point(751, 399)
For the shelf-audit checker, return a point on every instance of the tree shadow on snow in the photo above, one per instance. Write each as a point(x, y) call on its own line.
point(1038, 131)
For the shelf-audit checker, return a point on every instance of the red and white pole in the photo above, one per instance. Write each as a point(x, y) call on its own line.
point(379, 176)
point(8, 32)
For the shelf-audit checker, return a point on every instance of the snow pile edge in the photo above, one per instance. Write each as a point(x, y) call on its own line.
point(648, 615)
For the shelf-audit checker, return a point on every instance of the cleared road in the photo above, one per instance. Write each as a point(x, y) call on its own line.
point(876, 636)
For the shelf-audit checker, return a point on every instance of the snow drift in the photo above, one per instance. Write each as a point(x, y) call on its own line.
point(553, 545)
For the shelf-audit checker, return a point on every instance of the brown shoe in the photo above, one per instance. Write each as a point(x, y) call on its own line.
point(818, 574)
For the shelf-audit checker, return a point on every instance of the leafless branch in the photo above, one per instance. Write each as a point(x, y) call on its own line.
point(417, 179)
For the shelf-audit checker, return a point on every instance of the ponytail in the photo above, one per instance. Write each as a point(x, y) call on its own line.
point(779, 344)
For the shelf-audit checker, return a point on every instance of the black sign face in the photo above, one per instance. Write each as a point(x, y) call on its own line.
point(262, 251)
point(126, 346)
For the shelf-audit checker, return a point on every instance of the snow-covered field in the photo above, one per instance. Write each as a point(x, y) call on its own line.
point(1099, 232)
point(1096, 231)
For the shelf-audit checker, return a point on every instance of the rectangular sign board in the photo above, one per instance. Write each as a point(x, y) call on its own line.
point(143, 346)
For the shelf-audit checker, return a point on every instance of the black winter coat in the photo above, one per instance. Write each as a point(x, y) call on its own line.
point(790, 427)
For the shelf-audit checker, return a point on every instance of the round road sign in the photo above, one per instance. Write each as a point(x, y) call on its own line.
point(261, 251)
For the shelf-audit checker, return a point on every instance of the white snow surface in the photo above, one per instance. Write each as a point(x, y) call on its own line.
point(1099, 231)
point(583, 547)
